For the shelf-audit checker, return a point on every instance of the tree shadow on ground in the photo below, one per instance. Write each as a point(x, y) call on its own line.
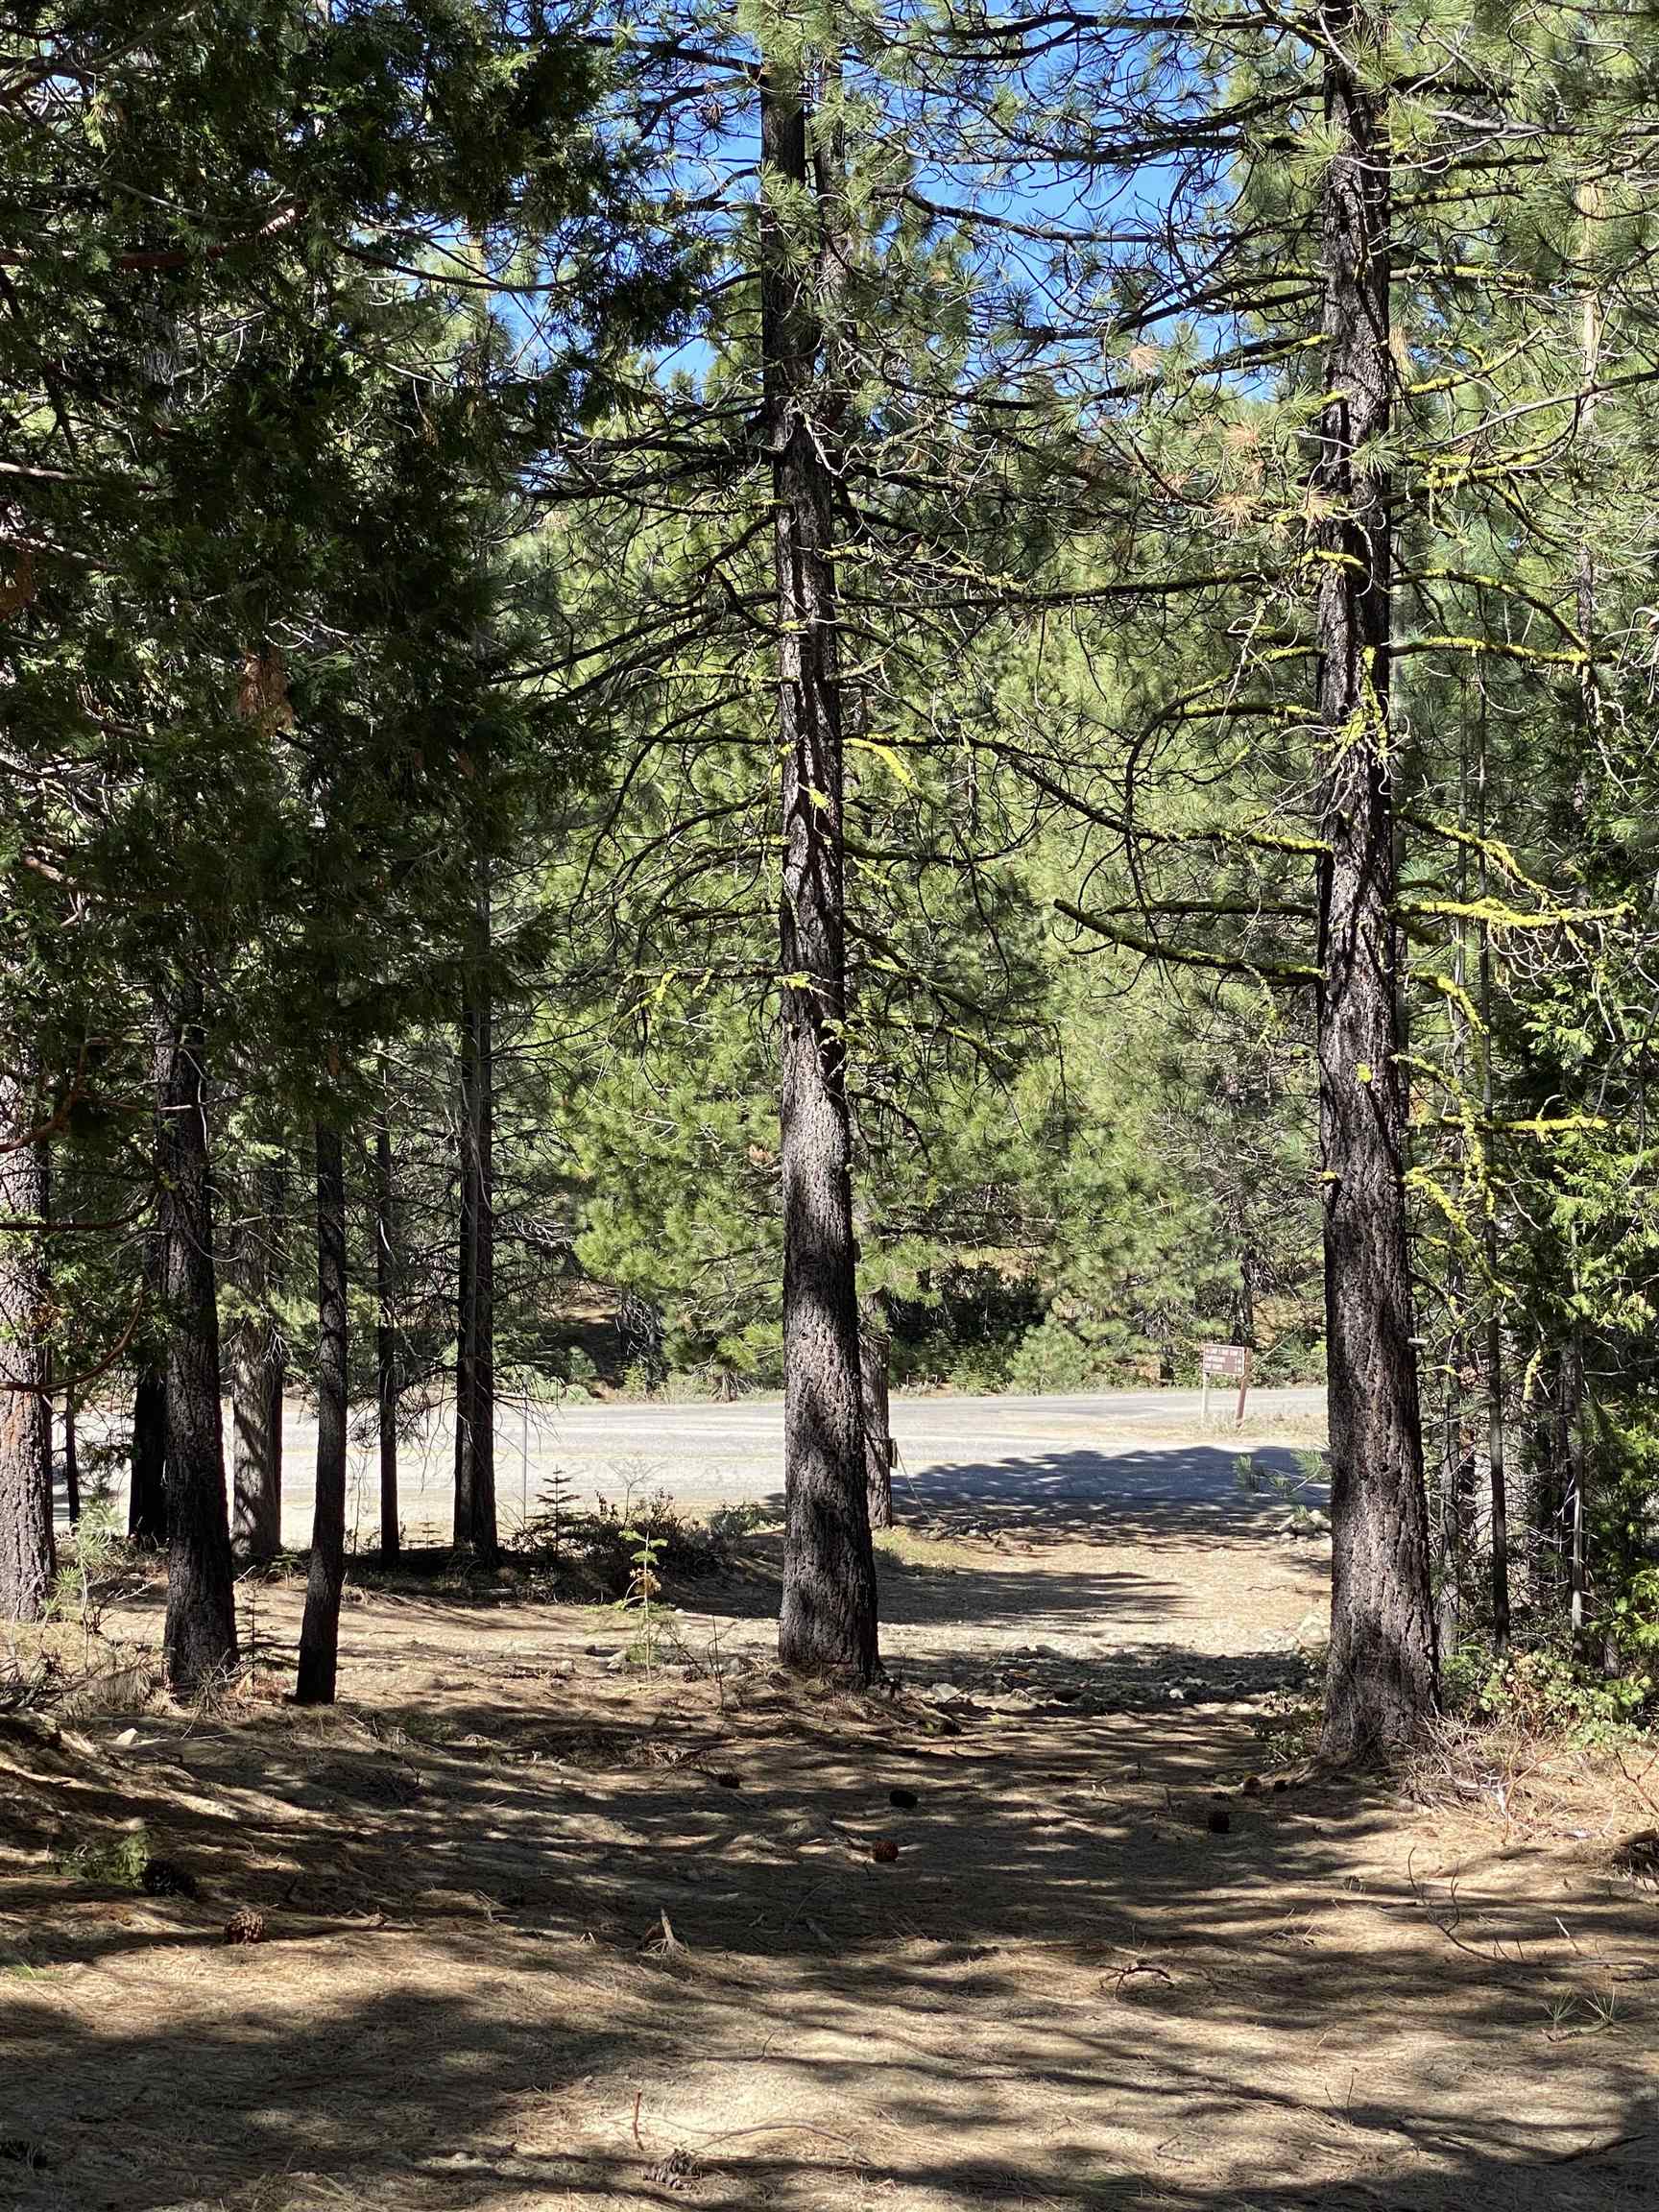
point(1068, 1988)
point(1147, 1496)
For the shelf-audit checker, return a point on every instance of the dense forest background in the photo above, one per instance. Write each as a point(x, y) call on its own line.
point(1075, 592)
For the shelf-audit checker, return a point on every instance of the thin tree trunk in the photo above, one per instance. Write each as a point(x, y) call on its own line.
point(258, 1375)
point(466, 1310)
point(199, 1643)
point(319, 1630)
point(827, 1619)
point(1380, 1684)
point(71, 1460)
point(875, 1347)
point(483, 1535)
point(48, 1306)
point(475, 1522)
point(147, 1497)
point(28, 1559)
point(1453, 1495)
point(1496, 1470)
point(1576, 1471)
point(386, 1333)
point(1456, 1442)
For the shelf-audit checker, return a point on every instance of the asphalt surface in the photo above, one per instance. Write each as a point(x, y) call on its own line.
point(1113, 1453)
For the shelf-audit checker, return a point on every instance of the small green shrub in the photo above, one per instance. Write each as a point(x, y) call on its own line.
point(113, 1861)
point(1547, 1691)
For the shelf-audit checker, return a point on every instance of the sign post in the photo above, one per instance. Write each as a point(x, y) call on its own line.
point(1229, 1365)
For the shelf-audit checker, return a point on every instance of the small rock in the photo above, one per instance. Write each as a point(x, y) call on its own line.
point(904, 1800)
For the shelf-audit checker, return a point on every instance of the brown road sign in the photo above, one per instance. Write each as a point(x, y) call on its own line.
point(1224, 1363)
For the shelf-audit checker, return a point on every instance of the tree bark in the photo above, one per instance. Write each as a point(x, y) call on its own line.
point(465, 1321)
point(475, 1521)
point(199, 1643)
point(827, 1620)
point(484, 1536)
point(875, 1347)
point(71, 1462)
point(1457, 1493)
point(386, 1335)
point(325, 1578)
point(28, 1559)
point(1496, 1470)
point(258, 1373)
point(1381, 1682)
point(147, 1498)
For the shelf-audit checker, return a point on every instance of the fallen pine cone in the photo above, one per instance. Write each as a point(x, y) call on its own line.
point(904, 1800)
point(675, 2171)
point(884, 1850)
point(245, 1926)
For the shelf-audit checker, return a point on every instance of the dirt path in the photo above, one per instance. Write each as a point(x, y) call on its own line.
point(544, 1931)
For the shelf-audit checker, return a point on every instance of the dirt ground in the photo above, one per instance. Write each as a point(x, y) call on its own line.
point(543, 1929)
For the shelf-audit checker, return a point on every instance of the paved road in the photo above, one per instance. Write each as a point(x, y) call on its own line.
point(1051, 1458)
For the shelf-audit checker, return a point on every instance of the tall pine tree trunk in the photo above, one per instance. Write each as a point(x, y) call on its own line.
point(827, 1620)
point(1381, 1685)
point(259, 1375)
point(386, 1333)
point(319, 1628)
point(27, 1558)
point(201, 1633)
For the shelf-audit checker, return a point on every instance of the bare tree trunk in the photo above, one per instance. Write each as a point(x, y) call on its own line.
point(147, 1500)
point(71, 1460)
point(1457, 1493)
point(1576, 1471)
point(466, 1312)
point(28, 1559)
point(259, 1375)
point(1457, 1487)
point(475, 1522)
point(1496, 1470)
point(875, 1347)
point(484, 1537)
point(386, 1333)
point(1381, 1683)
point(827, 1620)
point(200, 1641)
point(319, 1630)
